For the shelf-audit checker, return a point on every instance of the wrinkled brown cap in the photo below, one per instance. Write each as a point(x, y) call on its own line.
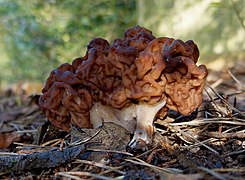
point(138, 67)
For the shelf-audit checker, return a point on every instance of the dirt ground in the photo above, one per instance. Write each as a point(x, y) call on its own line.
point(208, 144)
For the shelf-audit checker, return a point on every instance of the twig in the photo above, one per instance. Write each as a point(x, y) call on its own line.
point(202, 142)
point(234, 153)
point(217, 83)
point(218, 135)
point(28, 145)
point(8, 154)
point(228, 95)
point(225, 102)
point(110, 170)
point(143, 163)
point(65, 174)
point(184, 133)
point(27, 131)
point(99, 165)
point(212, 139)
point(214, 103)
point(110, 151)
point(230, 169)
point(82, 141)
point(144, 153)
point(215, 174)
point(55, 141)
point(231, 129)
point(206, 121)
point(82, 173)
point(235, 79)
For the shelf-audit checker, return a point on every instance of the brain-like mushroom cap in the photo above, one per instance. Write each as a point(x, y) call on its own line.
point(64, 101)
point(167, 69)
point(138, 67)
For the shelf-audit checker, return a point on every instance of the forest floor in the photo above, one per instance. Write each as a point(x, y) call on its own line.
point(208, 144)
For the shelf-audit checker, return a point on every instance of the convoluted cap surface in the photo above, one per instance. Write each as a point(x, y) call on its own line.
point(139, 67)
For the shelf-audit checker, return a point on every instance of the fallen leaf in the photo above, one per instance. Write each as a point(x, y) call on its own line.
point(6, 138)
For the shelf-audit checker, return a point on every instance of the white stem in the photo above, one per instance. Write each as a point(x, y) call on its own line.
point(126, 117)
point(144, 128)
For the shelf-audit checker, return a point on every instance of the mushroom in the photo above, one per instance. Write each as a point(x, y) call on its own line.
point(64, 100)
point(129, 83)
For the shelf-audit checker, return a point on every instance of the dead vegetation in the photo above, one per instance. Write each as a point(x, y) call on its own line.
point(208, 144)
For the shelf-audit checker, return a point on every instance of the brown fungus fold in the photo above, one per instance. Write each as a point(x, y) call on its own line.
point(136, 68)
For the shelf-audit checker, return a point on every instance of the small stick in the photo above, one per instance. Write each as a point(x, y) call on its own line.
point(184, 133)
point(27, 131)
point(101, 165)
point(78, 142)
point(233, 153)
point(110, 151)
point(230, 170)
point(143, 163)
point(209, 171)
point(218, 135)
point(83, 173)
point(206, 121)
point(225, 102)
point(235, 79)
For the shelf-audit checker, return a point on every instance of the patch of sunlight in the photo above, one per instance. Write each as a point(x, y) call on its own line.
point(219, 48)
point(187, 19)
point(4, 58)
point(217, 64)
point(233, 43)
point(224, 60)
point(66, 38)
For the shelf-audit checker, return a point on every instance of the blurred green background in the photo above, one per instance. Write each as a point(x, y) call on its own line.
point(38, 35)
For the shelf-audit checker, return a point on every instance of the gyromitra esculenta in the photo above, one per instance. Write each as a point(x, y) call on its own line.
point(128, 82)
